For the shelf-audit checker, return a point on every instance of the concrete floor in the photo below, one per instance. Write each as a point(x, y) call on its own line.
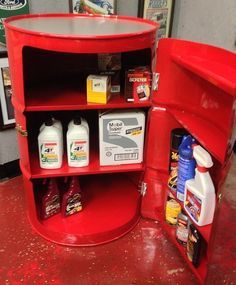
point(144, 256)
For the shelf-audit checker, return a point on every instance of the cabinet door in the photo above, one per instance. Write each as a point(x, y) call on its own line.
point(197, 86)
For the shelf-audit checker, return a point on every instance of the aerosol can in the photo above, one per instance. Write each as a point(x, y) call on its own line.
point(199, 200)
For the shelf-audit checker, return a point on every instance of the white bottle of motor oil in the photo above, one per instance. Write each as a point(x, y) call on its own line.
point(57, 124)
point(200, 198)
point(50, 145)
point(77, 144)
point(83, 123)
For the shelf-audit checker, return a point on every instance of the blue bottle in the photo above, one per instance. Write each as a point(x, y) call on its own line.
point(186, 165)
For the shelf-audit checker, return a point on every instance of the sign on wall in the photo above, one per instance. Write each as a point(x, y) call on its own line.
point(11, 8)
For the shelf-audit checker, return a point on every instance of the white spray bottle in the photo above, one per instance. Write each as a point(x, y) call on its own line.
point(200, 198)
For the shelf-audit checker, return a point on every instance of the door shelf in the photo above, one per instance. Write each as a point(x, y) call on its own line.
point(93, 167)
point(207, 134)
point(201, 270)
point(210, 70)
point(56, 98)
point(111, 207)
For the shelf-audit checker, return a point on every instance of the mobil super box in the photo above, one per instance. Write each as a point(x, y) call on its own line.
point(121, 137)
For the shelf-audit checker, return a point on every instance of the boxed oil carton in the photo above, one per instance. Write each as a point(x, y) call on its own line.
point(98, 88)
point(121, 137)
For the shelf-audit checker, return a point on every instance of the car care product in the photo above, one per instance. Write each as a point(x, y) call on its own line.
point(200, 198)
point(186, 165)
point(194, 245)
point(50, 144)
point(121, 137)
point(83, 123)
point(57, 124)
point(182, 228)
point(77, 144)
point(71, 202)
point(138, 84)
point(98, 89)
point(176, 139)
point(51, 200)
point(173, 209)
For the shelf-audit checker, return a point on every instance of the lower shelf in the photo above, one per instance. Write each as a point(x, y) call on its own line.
point(111, 208)
point(201, 270)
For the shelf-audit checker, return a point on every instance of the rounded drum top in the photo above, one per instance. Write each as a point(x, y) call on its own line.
point(74, 25)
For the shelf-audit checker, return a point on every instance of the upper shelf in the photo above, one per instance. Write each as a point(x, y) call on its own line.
point(221, 75)
point(60, 98)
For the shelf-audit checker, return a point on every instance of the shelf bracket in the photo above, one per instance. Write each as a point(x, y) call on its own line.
point(155, 81)
point(143, 188)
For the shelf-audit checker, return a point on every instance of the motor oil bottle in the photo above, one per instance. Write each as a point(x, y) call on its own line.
point(71, 202)
point(77, 144)
point(186, 165)
point(50, 146)
point(57, 124)
point(176, 139)
point(194, 245)
point(51, 200)
point(83, 123)
point(200, 200)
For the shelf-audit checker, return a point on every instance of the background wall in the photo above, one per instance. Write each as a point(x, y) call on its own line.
point(211, 21)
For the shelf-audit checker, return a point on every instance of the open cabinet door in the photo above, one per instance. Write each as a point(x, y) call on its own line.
point(196, 92)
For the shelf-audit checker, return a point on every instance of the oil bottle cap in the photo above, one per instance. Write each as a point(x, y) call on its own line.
point(77, 121)
point(49, 122)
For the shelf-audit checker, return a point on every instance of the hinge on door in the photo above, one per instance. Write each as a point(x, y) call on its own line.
point(143, 188)
point(20, 130)
point(155, 81)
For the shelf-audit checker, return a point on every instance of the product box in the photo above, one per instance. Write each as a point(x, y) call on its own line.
point(98, 89)
point(110, 64)
point(137, 84)
point(121, 137)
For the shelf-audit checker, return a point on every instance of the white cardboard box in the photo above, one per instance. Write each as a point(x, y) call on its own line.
point(121, 137)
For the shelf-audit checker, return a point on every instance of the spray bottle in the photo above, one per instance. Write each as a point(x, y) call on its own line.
point(186, 165)
point(199, 200)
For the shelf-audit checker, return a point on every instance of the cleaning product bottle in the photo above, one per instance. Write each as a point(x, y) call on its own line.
point(57, 124)
point(50, 146)
point(194, 245)
point(71, 202)
point(172, 210)
point(199, 200)
point(176, 139)
point(186, 165)
point(51, 200)
point(77, 144)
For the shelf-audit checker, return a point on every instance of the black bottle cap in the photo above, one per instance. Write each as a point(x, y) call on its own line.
point(49, 122)
point(77, 121)
point(177, 136)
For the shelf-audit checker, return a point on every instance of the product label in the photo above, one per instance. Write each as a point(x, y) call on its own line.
point(182, 231)
point(52, 207)
point(99, 85)
point(193, 205)
point(78, 150)
point(74, 204)
point(126, 156)
point(173, 209)
point(49, 152)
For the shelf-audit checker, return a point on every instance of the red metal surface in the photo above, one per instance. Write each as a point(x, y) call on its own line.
point(201, 95)
point(111, 207)
point(143, 256)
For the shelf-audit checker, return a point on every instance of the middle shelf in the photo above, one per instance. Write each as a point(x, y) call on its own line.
point(93, 167)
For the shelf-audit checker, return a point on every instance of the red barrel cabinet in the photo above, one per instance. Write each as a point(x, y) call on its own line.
point(194, 87)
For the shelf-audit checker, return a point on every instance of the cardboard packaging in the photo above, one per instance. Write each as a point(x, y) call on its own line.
point(98, 89)
point(138, 84)
point(110, 64)
point(121, 137)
